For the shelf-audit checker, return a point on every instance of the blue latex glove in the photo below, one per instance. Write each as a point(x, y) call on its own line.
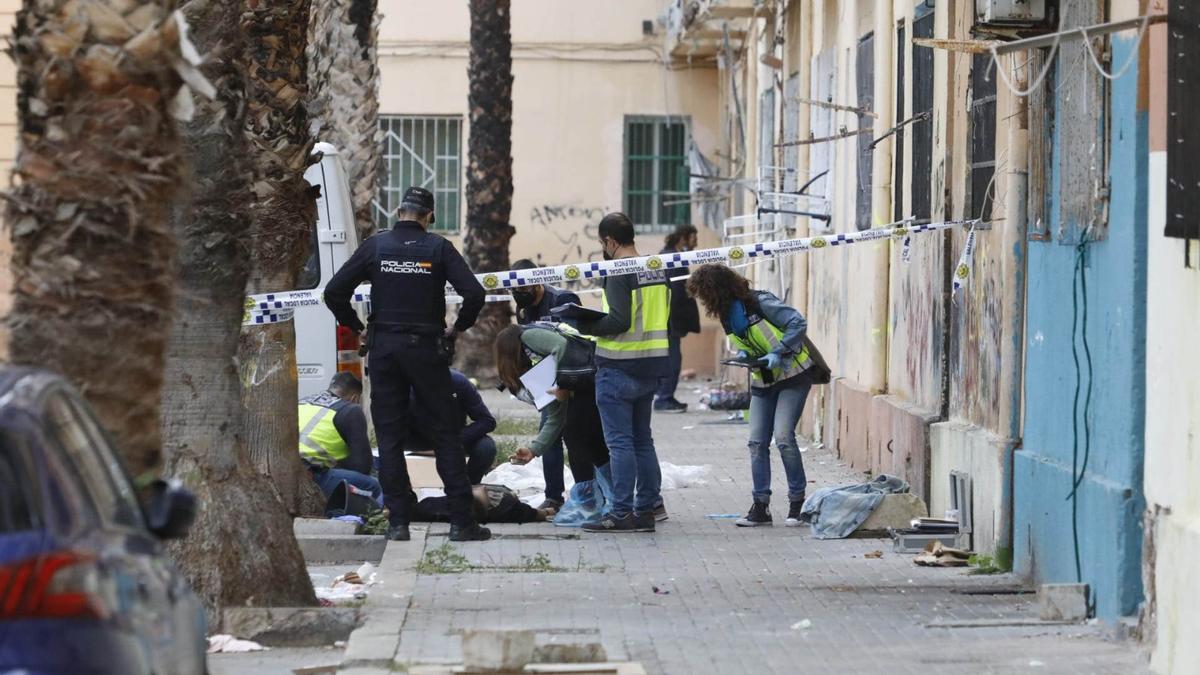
point(774, 360)
point(743, 355)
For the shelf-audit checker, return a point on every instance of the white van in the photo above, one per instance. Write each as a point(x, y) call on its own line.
point(322, 347)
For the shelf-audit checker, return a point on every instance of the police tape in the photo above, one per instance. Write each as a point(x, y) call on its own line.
point(269, 308)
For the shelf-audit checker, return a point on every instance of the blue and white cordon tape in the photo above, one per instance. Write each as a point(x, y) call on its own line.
point(269, 308)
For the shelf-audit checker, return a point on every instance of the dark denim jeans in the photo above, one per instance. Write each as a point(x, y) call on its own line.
point(670, 382)
point(625, 404)
point(552, 466)
point(776, 413)
point(329, 479)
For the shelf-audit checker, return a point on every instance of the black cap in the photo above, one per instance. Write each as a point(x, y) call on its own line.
point(419, 197)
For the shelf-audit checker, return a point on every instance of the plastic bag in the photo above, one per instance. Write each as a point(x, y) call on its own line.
point(587, 500)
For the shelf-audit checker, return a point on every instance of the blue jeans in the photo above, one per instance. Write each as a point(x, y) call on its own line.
point(329, 479)
point(668, 383)
point(777, 412)
point(552, 466)
point(625, 404)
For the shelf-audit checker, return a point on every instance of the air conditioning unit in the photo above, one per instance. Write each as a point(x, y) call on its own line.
point(1012, 12)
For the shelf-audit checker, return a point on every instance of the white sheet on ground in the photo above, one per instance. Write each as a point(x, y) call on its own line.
point(529, 483)
point(227, 644)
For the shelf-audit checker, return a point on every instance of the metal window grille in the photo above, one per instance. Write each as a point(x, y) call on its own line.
point(656, 172)
point(865, 88)
point(983, 137)
point(424, 151)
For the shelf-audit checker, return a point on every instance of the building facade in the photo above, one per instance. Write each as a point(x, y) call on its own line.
point(1052, 392)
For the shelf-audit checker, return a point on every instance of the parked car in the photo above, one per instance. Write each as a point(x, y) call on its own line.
point(85, 585)
point(322, 347)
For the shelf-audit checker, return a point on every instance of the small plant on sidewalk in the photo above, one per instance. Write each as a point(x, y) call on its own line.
point(443, 560)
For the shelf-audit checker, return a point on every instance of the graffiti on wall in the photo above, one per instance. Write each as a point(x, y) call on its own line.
point(575, 228)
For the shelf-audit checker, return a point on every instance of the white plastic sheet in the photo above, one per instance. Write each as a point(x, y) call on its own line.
point(227, 644)
point(528, 482)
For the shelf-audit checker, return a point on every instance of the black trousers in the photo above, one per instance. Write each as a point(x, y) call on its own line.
point(584, 435)
point(400, 363)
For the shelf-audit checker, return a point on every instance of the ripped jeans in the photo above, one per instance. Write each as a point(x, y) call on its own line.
point(776, 412)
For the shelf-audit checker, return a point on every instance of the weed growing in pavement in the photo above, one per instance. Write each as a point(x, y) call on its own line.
point(377, 523)
point(443, 560)
point(984, 564)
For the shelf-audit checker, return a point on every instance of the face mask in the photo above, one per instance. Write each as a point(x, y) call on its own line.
point(523, 298)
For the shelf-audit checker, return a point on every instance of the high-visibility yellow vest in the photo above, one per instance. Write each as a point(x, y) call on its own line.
point(320, 442)
point(647, 334)
point(763, 337)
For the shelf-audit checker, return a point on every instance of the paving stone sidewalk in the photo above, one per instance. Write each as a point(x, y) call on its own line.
point(735, 600)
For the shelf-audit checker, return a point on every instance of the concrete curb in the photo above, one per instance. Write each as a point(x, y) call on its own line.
point(291, 626)
point(341, 548)
point(372, 647)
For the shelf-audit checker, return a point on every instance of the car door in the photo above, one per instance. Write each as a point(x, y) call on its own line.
point(148, 583)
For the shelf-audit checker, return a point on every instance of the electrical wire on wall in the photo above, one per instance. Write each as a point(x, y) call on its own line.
point(1079, 329)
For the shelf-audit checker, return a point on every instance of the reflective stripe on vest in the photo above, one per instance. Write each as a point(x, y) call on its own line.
point(647, 334)
point(320, 442)
point(764, 337)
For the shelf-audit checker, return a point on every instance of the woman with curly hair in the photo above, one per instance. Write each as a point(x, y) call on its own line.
point(772, 334)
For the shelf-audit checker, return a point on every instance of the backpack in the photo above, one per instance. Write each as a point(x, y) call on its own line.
point(577, 370)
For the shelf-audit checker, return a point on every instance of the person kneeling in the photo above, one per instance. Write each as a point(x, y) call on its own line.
point(478, 446)
point(334, 444)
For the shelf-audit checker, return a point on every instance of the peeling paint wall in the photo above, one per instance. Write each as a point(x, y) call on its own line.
point(1108, 500)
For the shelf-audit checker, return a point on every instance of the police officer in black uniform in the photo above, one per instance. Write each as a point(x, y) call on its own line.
point(410, 350)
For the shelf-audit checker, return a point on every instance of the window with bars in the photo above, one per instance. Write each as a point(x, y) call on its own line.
point(983, 138)
point(425, 151)
point(865, 87)
point(656, 172)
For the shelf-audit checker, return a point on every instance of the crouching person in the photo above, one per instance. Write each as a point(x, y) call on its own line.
point(573, 415)
point(478, 445)
point(763, 328)
point(333, 437)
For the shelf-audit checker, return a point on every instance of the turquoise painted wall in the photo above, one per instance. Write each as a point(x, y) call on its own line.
point(1109, 500)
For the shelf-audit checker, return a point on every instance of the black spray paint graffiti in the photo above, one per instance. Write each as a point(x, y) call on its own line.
point(575, 227)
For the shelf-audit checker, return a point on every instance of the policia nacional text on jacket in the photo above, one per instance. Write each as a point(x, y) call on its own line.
point(408, 269)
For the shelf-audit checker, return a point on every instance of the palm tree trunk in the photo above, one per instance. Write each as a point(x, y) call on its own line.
point(343, 76)
point(98, 168)
point(282, 216)
point(243, 533)
point(489, 172)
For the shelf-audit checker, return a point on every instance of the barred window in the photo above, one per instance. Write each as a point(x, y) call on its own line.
point(656, 172)
point(425, 151)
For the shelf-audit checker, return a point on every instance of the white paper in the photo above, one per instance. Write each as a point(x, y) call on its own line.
point(540, 379)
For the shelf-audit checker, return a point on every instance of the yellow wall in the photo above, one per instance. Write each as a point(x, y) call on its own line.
point(579, 68)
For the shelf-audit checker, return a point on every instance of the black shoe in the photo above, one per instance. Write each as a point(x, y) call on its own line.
point(643, 522)
point(669, 405)
point(760, 514)
point(611, 523)
point(398, 533)
point(660, 513)
point(470, 532)
point(793, 518)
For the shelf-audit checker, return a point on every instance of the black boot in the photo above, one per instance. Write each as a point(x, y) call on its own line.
point(472, 532)
point(760, 514)
point(398, 533)
point(793, 518)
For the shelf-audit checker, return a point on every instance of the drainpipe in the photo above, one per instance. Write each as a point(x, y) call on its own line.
point(881, 169)
point(1016, 209)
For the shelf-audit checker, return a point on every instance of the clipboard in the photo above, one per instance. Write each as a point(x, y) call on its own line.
point(576, 312)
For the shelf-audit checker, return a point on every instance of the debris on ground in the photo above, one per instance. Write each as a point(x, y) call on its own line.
point(803, 624)
point(723, 516)
point(227, 644)
point(660, 591)
point(352, 585)
point(938, 555)
point(873, 554)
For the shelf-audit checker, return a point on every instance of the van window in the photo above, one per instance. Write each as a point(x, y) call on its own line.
point(310, 275)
